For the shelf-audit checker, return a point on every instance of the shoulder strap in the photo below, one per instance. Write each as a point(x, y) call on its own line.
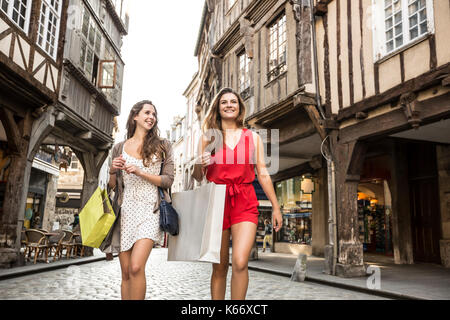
point(161, 193)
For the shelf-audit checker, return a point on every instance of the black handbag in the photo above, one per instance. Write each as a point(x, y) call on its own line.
point(168, 216)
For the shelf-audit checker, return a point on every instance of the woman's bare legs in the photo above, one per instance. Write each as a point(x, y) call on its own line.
point(243, 235)
point(125, 288)
point(220, 271)
point(133, 263)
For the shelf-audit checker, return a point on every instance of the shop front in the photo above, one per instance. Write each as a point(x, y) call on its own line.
point(399, 201)
point(295, 235)
point(265, 213)
point(375, 217)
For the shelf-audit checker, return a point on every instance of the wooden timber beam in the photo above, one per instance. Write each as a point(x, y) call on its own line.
point(397, 119)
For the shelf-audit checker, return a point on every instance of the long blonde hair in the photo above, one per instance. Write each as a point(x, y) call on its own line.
point(213, 120)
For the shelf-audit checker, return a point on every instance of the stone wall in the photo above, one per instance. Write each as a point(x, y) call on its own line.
point(65, 217)
point(50, 203)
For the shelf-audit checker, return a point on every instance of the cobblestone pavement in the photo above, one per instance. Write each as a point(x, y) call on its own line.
point(165, 281)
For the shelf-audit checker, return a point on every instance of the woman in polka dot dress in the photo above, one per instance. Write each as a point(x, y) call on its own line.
point(135, 170)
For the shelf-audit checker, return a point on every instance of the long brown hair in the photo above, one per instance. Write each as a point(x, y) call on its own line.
point(213, 120)
point(153, 144)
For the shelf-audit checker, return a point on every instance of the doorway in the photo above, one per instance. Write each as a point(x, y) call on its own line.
point(424, 201)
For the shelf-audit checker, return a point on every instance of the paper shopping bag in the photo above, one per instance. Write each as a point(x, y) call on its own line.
point(96, 219)
point(200, 222)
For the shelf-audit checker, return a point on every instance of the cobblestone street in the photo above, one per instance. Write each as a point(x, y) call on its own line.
point(165, 281)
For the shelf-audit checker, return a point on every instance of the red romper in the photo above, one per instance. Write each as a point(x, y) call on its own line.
point(236, 169)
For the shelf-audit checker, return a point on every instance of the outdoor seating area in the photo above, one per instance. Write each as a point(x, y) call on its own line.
point(40, 245)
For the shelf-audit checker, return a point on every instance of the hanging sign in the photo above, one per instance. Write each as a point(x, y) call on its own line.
point(307, 185)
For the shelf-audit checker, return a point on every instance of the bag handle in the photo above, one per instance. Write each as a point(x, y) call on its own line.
point(161, 193)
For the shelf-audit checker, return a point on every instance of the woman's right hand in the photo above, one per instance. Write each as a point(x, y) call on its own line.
point(118, 164)
point(205, 159)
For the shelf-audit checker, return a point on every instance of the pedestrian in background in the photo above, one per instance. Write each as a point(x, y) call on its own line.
point(76, 220)
point(235, 152)
point(140, 165)
point(267, 235)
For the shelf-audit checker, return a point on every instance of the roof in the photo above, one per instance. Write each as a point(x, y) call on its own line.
point(202, 24)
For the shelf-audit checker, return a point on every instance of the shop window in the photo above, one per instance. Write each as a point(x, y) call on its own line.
point(375, 217)
point(296, 209)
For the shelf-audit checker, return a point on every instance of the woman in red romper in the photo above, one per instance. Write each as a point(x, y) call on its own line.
point(235, 154)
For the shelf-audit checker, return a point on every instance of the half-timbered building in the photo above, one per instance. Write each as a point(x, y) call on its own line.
point(61, 79)
point(31, 48)
point(384, 69)
point(263, 49)
point(364, 83)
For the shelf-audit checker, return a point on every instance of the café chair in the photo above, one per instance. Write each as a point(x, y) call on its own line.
point(78, 245)
point(37, 242)
point(67, 243)
point(54, 242)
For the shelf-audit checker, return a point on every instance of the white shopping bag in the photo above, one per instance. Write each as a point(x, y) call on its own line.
point(200, 219)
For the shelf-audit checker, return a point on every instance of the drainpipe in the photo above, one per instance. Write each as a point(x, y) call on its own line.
point(332, 226)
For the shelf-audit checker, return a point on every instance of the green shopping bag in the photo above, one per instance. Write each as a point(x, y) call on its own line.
point(96, 218)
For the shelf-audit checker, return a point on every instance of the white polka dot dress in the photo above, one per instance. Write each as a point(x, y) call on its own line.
point(138, 221)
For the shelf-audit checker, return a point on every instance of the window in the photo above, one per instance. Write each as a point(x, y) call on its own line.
point(107, 74)
point(244, 74)
point(49, 26)
point(400, 22)
point(277, 48)
point(296, 210)
point(74, 164)
point(91, 45)
point(18, 11)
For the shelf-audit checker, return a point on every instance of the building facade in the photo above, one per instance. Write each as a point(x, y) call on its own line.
point(192, 132)
point(177, 138)
point(389, 97)
point(90, 100)
point(255, 48)
point(358, 91)
point(61, 89)
point(31, 48)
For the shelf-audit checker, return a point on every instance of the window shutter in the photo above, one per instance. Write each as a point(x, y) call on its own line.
point(108, 73)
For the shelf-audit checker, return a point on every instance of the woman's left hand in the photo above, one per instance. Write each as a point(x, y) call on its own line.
point(129, 168)
point(277, 220)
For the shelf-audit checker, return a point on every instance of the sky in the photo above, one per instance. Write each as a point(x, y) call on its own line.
point(159, 57)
